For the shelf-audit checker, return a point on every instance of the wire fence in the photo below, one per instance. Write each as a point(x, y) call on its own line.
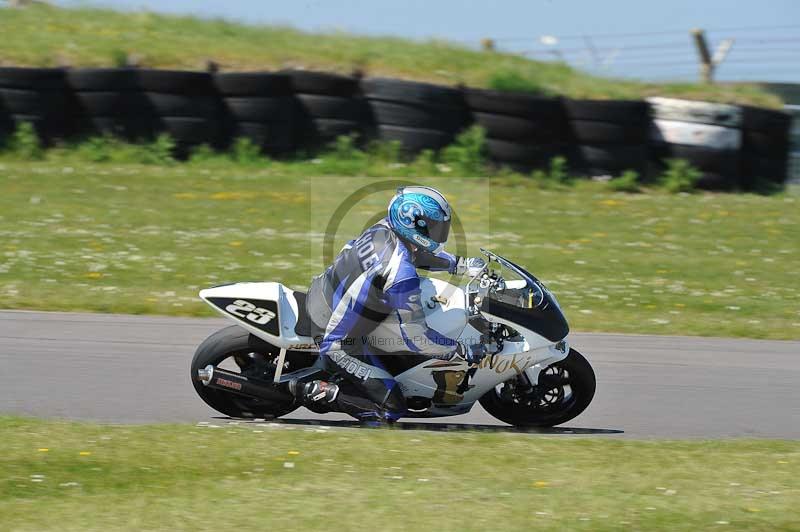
point(757, 52)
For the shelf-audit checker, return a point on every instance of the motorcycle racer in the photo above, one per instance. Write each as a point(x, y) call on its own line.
point(373, 285)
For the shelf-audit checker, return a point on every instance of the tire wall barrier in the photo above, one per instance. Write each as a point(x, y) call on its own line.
point(793, 169)
point(326, 106)
point(708, 135)
point(522, 130)
point(258, 106)
point(108, 101)
point(419, 116)
point(303, 111)
point(610, 136)
point(39, 96)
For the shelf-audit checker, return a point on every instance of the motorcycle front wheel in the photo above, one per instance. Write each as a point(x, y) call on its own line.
point(565, 389)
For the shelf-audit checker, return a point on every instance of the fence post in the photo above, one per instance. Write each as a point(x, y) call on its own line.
point(706, 65)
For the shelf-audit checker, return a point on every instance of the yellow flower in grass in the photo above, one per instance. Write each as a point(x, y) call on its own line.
point(233, 195)
point(94, 275)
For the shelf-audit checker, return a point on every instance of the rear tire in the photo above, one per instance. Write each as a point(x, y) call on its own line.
point(550, 404)
point(256, 355)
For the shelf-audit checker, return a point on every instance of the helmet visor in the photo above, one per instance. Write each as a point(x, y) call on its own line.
point(438, 230)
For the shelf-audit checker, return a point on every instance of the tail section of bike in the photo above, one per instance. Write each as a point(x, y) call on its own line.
point(270, 311)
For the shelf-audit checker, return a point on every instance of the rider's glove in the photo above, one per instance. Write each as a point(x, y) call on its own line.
point(471, 266)
point(473, 354)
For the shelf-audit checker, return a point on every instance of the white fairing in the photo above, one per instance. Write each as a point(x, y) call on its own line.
point(287, 311)
point(446, 312)
point(445, 307)
point(439, 379)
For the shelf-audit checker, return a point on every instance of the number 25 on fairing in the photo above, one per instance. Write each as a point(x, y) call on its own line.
point(245, 309)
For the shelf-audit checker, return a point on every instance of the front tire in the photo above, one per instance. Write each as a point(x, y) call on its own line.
point(244, 353)
point(565, 389)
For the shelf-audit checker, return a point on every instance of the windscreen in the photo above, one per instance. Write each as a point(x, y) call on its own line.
point(521, 299)
point(519, 288)
point(517, 292)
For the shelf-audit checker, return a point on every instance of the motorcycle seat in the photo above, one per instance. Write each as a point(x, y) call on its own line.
point(304, 325)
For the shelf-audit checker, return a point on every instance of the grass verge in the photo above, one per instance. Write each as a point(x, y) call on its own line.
point(80, 476)
point(115, 236)
point(121, 237)
point(44, 35)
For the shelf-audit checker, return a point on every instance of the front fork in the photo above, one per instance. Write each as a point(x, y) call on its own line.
point(555, 353)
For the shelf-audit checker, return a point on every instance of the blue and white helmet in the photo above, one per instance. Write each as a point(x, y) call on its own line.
point(420, 216)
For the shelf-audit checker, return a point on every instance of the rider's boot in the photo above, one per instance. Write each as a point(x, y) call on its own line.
point(314, 392)
point(322, 396)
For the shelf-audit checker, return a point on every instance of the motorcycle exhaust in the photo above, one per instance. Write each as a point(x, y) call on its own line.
point(220, 379)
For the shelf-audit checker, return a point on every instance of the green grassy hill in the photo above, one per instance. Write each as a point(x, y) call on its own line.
point(45, 36)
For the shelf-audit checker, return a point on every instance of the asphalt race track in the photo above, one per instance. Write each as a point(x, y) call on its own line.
point(134, 369)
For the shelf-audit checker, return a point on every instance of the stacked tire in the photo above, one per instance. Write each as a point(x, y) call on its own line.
point(38, 96)
point(707, 135)
point(610, 135)
point(765, 146)
point(108, 101)
point(523, 131)
point(258, 106)
point(328, 106)
point(420, 116)
point(183, 104)
point(793, 171)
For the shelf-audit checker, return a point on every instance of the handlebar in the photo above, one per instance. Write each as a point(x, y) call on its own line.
point(485, 280)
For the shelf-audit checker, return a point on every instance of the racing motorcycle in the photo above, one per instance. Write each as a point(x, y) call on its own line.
point(530, 377)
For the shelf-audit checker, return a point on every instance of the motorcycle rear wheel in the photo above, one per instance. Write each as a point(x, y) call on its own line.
point(237, 350)
point(565, 389)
